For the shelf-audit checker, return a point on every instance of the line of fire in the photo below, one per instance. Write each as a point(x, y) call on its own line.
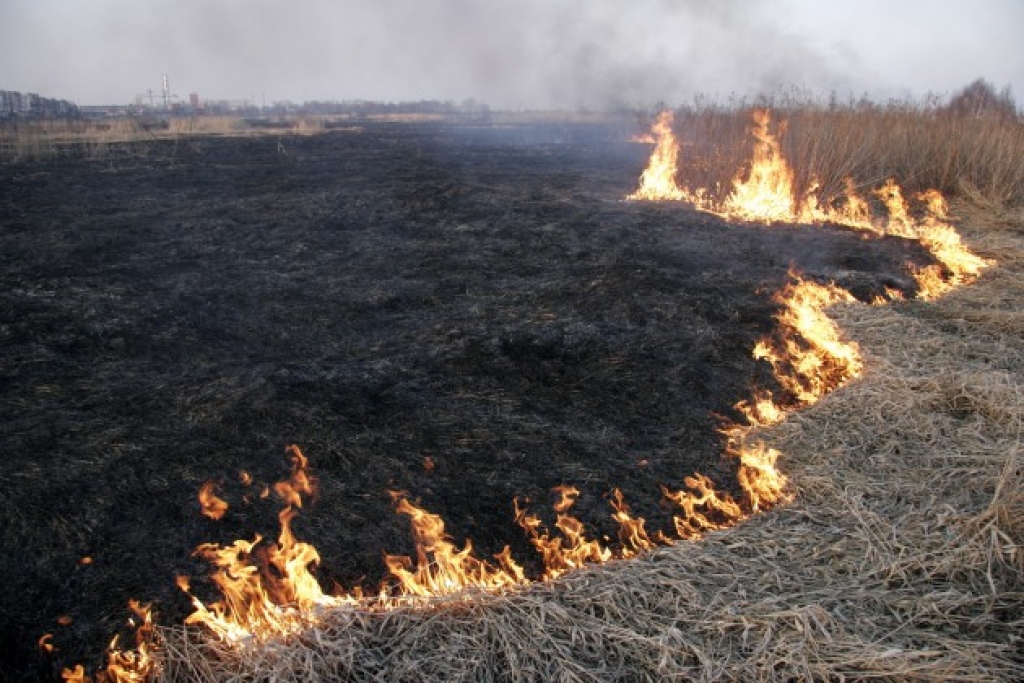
point(269, 589)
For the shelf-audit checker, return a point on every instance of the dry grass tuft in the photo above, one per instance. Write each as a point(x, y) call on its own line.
point(902, 556)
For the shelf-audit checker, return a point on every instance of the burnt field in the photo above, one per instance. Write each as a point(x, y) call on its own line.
point(465, 314)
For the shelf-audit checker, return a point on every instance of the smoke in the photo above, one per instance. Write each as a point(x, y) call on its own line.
point(509, 53)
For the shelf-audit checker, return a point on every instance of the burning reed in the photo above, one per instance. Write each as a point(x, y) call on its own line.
point(927, 145)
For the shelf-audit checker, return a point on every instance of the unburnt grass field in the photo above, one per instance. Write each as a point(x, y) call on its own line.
point(471, 314)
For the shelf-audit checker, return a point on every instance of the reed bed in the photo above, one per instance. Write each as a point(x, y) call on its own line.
point(923, 145)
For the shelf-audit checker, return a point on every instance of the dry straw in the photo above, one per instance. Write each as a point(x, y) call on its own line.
point(902, 556)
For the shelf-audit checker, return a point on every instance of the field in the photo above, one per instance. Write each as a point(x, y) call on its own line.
point(471, 315)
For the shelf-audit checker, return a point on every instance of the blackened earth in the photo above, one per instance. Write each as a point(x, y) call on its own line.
point(479, 297)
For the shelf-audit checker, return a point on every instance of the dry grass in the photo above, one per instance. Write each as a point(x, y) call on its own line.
point(31, 140)
point(902, 556)
point(922, 145)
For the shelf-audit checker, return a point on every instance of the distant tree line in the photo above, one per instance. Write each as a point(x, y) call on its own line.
point(18, 105)
point(980, 99)
point(371, 108)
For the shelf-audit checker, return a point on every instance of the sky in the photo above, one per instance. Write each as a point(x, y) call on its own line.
point(511, 54)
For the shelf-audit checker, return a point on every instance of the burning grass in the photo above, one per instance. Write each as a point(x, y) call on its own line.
point(801, 635)
point(878, 592)
point(887, 564)
point(900, 558)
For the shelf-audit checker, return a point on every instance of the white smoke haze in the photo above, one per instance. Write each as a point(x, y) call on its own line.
point(508, 53)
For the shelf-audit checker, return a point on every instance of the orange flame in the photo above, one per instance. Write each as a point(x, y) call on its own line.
point(75, 675)
point(131, 665)
point(569, 550)
point(441, 568)
point(658, 181)
point(632, 536)
point(767, 193)
point(44, 643)
point(210, 505)
point(809, 358)
point(266, 590)
point(703, 508)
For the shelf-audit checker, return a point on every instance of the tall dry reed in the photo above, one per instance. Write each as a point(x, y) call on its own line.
point(923, 145)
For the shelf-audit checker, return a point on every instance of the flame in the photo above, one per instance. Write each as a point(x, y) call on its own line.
point(658, 181)
point(703, 508)
point(767, 193)
point(76, 675)
point(808, 357)
point(210, 505)
point(441, 568)
point(762, 408)
point(852, 211)
point(632, 536)
point(571, 549)
point(267, 590)
point(762, 482)
point(135, 664)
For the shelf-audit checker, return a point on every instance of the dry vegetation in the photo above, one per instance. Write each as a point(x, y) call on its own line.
point(902, 556)
point(33, 140)
point(949, 147)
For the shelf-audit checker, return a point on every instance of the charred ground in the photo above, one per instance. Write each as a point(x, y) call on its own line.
point(380, 296)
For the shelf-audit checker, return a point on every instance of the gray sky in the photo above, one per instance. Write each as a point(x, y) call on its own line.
point(509, 53)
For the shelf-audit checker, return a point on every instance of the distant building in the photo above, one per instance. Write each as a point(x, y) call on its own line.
point(31, 106)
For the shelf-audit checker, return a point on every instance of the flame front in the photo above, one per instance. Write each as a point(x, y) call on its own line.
point(808, 356)
point(270, 590)
point(266, 590)
point(441, 568)
point(658, 181)
point(767, 192)
point(568, 550)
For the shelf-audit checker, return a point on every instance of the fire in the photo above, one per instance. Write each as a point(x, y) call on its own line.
point(269, 590)
point(571, 549)
point(809, 357)
point(632, 535)
point(767, 193)
point(703, 508)
point(211, 506)
point(762, 482)
point(135, 664)
point(441, 568)
point(658, 181)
